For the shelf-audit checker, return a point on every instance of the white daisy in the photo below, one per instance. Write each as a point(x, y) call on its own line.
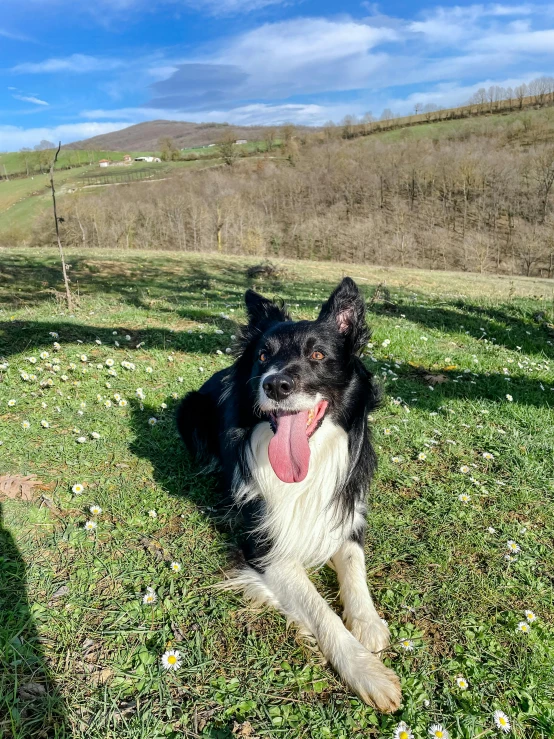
point(45, 424)
point(44, 355)
point(509, 397)
point(81, 439)
point(90, 525)
point(387, 432)
point(109, 362)
point(11, 403)
point(403, 731)
point(78, 488)
point(524, 627)
point(407, 645)
point(163, 406)
point(152, 421)
point(171, 660)
point(107, 404)
point(26, 425)
point(462, 683)
point(488, 455)
point(175, 566)
point(513, 547)
point(152, 514)
point(83, 358)
point(396, 460)
point(502, 721)
point(464, 497)
point(422, 456)
point(149, 370)
point(117, 396)
point(149, 597)
point(464, 468)
point(32, 360)
point(530, 616)
point(491, 530)
point(122, 403)
point(95, 510)
point(438, 732)
point(139, 392)
point(95, 435)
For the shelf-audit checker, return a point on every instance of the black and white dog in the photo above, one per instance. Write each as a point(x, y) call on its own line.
point(287, 422)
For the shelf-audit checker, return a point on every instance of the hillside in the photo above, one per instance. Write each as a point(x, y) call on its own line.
point(145, 136)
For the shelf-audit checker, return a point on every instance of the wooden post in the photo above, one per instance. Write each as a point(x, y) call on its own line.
point(64, 270)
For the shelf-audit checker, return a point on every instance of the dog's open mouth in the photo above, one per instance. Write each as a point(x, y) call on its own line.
point(289, 449)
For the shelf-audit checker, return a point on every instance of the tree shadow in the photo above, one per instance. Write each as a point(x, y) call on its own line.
point(513, 329)
point(31, 706)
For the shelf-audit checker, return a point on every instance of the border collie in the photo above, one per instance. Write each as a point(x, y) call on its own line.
point(287, 424)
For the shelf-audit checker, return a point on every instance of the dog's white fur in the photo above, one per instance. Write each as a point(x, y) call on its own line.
point(303, 526)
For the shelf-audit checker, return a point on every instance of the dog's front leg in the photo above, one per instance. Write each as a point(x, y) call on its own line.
point(362, 670)
point(360, 615)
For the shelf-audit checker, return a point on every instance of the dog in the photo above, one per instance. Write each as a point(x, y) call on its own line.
point(287, 425)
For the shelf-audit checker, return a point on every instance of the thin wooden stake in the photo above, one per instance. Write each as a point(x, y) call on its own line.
point(64, 270)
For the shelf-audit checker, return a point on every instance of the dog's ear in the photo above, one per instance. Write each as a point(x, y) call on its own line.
point(346, 310)
point(261, 310)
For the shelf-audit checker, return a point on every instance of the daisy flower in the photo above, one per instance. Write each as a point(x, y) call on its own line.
point(95, 435)
point(403, 731)
point(139, 392)
point(54, 334)
point(95, 510)
point(26, 425)
point(464, 468)
point(11, 403)
point(81, 439)
point(117, 397)
point(56, 346)
point(72, 366)
point(45, 424)
point(171, 660)
point(438, 732)
point(32, 360)
point(163, 406)
point(524, 627)
point(387, 432)
point(149, 597)
point(171, 359)
point(90, 525)
point(422, 456)
point(407, 645)
point(175, 566)
point(396, 460)
point(122, 403)
point(112, 373)
point(488, 455)
point(502, 721)
point(83, 358)
point(152, 421)
point(464, 497)
point(109, 363)
point(385, 343)
point(513, 547)
point(462, 683)
point(152, 514)
point(530, 616)
point(491, 530)
point(107, 404)
point(44, 355)
point(509, 397)
point(149, 370)
point(78, 488)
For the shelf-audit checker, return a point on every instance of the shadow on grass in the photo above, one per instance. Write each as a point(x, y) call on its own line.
point(30, 705)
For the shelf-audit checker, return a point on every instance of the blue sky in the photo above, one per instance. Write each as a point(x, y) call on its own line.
point(70, 69)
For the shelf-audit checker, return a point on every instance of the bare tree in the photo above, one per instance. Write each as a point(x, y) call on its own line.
point(57, 222)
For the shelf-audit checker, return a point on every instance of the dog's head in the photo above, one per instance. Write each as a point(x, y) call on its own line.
point(301, 370)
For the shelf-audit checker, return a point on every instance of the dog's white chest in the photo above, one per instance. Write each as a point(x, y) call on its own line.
point(300, 519)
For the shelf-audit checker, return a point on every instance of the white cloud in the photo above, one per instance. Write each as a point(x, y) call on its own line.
point(528, 42)
point(76, 63)
point(13, 36)
point(13, 138)
point(30, 99)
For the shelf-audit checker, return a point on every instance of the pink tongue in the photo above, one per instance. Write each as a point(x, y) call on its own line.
point(289, 451)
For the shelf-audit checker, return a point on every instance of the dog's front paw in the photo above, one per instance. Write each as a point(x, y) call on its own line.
point(375, 684)
point(372, 633)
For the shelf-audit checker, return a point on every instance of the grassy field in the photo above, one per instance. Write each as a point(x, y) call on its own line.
point(461, 516)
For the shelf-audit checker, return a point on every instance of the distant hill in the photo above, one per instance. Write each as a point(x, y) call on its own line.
point(145, 136)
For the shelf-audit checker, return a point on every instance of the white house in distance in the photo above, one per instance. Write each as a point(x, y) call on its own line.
point(104, 163)
point(147, 159)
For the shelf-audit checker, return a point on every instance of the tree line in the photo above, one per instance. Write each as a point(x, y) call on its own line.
point(477, 200)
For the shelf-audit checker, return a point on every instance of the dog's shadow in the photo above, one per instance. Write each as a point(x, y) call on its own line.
point(180, 475)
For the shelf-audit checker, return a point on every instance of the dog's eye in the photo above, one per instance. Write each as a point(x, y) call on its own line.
point(317, 355)
point(263, 356)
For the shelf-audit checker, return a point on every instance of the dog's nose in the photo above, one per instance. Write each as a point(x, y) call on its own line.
point(279, 386)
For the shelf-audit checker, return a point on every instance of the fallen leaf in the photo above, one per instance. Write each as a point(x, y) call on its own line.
point(435, 379)
point(102, 677)
point(18, 486)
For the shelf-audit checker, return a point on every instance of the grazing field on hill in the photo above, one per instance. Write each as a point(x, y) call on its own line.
point(461, 515)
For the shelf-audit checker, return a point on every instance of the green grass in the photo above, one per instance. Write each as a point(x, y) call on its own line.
point(73, 621)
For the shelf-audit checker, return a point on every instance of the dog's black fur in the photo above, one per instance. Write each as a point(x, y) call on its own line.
point(216, 421)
